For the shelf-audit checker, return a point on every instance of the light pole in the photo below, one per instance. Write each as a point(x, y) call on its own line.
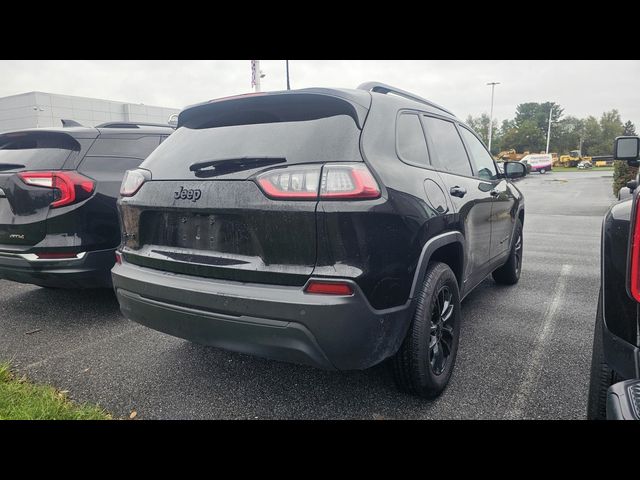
point(493, 86)
point(288, 86)
point(256, 74)
point(549, 129)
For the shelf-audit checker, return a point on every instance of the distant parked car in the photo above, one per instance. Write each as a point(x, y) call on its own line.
point(585, 164)
point(59, 223)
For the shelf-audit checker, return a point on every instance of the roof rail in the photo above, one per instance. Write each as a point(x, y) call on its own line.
point(132, 125)
point(384, 88)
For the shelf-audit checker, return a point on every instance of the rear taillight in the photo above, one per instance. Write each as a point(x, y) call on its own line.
point(69, 186)
point(328, 288)
point(331, 182)
point(634, 252)
point(133, 180)
point(118, 258)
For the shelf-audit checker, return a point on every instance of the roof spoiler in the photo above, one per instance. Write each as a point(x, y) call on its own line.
point(70, 123)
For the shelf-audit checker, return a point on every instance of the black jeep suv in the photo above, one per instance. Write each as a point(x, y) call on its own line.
point(58, 189)
point(335, 228)
point(614, 390)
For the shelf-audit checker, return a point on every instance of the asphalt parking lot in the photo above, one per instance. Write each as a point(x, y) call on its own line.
point(524, 352)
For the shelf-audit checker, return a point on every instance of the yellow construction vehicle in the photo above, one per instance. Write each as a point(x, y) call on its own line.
point(572, 160)
point(510, 156)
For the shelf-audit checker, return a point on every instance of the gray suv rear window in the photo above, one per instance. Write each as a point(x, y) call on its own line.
point(35, 150)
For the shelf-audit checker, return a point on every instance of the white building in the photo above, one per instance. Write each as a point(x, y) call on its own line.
point(38, 109)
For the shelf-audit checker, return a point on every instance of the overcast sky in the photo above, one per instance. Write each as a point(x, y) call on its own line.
point(581, 87)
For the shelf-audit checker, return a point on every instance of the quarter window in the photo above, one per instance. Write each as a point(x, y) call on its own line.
point(449, 149)
point(412, 146)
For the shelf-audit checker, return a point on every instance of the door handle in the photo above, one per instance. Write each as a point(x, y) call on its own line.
point(458, 191)
point(494, 192)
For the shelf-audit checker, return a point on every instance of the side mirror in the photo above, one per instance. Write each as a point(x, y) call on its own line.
point(514, 170)
point(627, 148)
point(632, 185)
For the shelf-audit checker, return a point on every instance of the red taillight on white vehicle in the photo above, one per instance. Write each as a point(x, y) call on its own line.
point(634, 252)
point(70, 187)
point(330, 182)
point(133, 180)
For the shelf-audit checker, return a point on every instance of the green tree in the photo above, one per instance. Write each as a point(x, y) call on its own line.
point(480, 125)
point(629, 128)
point(591, 135)
point(565, 135)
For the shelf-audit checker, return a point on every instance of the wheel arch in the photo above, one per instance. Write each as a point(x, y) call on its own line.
point(447, 248)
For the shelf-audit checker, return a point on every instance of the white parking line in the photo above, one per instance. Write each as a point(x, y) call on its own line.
point(84, 347)
point(532, 373)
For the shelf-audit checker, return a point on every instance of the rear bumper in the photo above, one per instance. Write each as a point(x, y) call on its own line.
point(279, 322)
point(90, 271)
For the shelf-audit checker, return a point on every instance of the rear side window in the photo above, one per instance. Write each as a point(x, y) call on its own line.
point(35, 150)
point(479, 156)
point(448, 146)
point(410, 141)
point(124, 147)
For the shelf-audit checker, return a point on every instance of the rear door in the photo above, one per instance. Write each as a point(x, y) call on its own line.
point(24, 208)
point(503, 206)
point(204, 211)
point(470, 196)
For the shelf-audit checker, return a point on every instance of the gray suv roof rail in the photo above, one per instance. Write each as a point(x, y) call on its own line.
point(132, 125)
point(384, 88)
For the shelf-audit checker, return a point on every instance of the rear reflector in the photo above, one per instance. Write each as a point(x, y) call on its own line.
point(70, 187)
point(338, 181)
point(56, 255)
point(329, 288)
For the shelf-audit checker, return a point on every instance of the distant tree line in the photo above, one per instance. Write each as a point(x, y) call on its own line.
point(527, 131)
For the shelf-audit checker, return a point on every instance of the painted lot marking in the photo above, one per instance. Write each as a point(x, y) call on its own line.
point(534, 370)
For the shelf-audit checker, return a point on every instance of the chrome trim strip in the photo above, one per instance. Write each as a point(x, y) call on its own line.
point(32, 257)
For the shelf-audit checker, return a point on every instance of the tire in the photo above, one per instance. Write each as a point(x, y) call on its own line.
point(602, 377)
point(418, 368)
point(542, 171)
point(509, 273)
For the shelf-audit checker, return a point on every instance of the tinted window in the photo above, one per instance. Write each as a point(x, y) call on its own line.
point(331, 139)
point(35, 150)
point(124, 147)
point(448, 146)
point(412, 146)
point(483, 162)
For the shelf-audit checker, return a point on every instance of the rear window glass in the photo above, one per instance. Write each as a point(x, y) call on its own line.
point(334, 138)
point(35, 150)
point(124, 147)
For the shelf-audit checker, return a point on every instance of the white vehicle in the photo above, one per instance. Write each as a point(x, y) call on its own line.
point(540, 162)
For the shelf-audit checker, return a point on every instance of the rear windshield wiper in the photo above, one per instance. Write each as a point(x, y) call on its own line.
point(10, 166)
point(230, 165)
